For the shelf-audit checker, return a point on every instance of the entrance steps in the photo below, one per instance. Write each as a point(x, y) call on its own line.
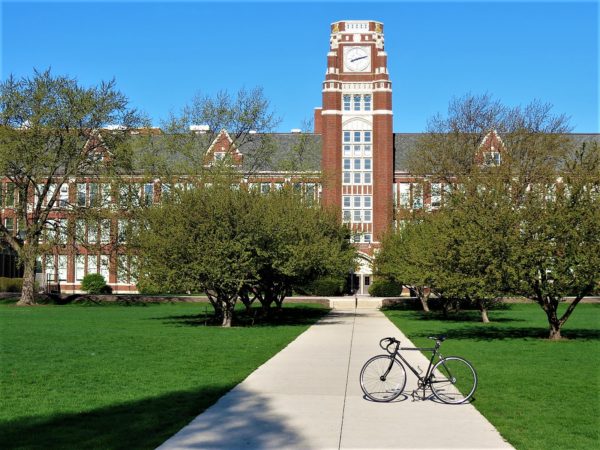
point(360, 302)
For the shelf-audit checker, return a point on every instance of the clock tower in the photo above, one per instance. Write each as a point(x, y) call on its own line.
point(355, 122)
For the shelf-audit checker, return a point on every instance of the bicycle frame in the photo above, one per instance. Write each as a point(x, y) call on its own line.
point(425, 380)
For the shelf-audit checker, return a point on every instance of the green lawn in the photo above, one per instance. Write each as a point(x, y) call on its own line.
point(122, 377)
point(538, 393)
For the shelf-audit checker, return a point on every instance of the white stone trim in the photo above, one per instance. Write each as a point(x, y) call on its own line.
point(383, 112)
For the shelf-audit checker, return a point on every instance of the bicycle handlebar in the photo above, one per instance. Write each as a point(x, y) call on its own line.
point(385, 343)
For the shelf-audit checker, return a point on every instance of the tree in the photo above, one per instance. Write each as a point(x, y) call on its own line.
point(407, 255)
point(231, 243)
point(558, 241)
point(522, 202)
point(53, 130)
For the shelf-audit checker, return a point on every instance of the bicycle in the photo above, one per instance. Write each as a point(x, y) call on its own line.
point(452, 379)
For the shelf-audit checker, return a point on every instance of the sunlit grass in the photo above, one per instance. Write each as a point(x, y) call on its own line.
point(123, 377)
point(540, 394)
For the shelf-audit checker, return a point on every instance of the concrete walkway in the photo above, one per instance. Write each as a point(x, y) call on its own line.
point(308, 397)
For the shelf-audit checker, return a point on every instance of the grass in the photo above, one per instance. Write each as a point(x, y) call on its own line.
point(539, 394)
point(123, 377)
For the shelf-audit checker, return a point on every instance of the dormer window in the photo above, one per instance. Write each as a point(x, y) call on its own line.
point(219, 156)
point(491, 158)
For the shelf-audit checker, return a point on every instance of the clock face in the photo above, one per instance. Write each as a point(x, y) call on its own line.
point(357, 59)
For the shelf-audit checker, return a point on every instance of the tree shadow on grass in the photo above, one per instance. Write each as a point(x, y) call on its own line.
point(141, 424)
point(298, 315)
point(490, 332)
point(148, 423)
point(460, 316)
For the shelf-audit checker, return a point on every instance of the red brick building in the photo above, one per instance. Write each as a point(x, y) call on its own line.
point(353, 162)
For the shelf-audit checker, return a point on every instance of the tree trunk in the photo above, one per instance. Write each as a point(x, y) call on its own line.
point(423, 298)
point(555, 325)
point(227, 315)
point(28, 290)
point(483, 310)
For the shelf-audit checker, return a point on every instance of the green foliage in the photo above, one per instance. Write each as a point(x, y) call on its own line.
point(385, 288)
point(326, 286)
point(53, 130)
point(94, 283)
point(231, 242)
point(11, 284)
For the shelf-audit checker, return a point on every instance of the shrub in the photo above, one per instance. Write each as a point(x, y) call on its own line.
point(94, 283)
point(326, 286)
point(385, 288)
point(11, 284)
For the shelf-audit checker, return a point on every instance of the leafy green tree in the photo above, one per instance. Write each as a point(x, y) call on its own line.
point(408, 256)
point(53, 130)
point(528, 221)
point(232, 243)
point(558, 242)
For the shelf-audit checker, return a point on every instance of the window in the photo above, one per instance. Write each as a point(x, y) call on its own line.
point(356, 202)
point(357, 177)
point(367, 179)
point(79, 267)
point(357, 136)
point(94, 194)
point(105, 231)
point(346, 201)
point(63, 197)
point(50, 275)
point(79, 230)
point(357, 103)
point(265, 188)
point(9, 224)
point(346, 103)
point(367, 201)
point(491, 158)
point(436, 195)
point(357, 150)
point(367, 164)
point(104, 267)
point(356, 217)
point(148, 194)
point(367, 150)
point(346, 136)
point(367, 215)
point(346, 177)
point(367, 239)
point(121, 231)
point(404, 195)
point(347, 150)
point(219, 156)
point(346, 164)
point(346, 216)
point(10, 195)
point(62, 267)
point(92, 233)
point(367, 103)
point(417, 192)
point(92, 264)
point(367, 136)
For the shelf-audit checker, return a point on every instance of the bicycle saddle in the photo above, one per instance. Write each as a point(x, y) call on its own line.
point(441, 338)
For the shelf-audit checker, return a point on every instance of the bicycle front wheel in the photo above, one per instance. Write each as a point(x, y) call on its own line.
point(453, 380)
point(382, 378)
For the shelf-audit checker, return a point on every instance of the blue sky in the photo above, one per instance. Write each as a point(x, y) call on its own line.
point(162, 53)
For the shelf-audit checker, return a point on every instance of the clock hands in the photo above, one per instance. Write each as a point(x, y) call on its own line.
point(360, 57)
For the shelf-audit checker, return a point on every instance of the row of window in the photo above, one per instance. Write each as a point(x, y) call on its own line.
point(357, 178)
point(365, 238)
point(357, 137)
point(358, 150)
point(357, 102)
point(410, 195)
point(357, 201)
point(357, 164)
point(357, 215)
point(56, 268)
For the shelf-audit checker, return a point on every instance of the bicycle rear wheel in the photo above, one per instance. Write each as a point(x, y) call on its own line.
point(382, 378)
point(453, 380)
